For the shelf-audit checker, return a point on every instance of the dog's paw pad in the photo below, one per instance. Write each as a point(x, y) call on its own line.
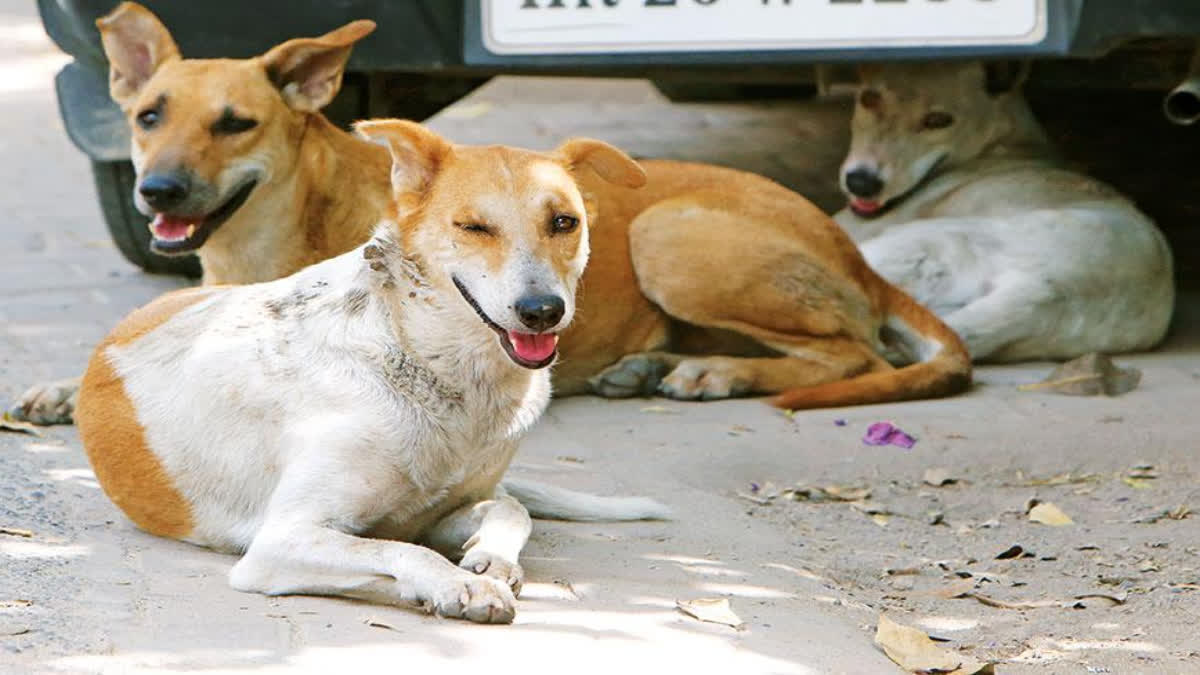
point(704, 380)
point(634, 375)
point(481, 599)
point(491, 565)
point(47, 403)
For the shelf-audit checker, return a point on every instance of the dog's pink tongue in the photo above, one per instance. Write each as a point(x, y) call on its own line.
point(168, 228)
point(866, 206)
point(533, 347)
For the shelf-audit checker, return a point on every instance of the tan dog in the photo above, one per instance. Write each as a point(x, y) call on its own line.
point(234, 160)
point(319, 421)
point(703, 260)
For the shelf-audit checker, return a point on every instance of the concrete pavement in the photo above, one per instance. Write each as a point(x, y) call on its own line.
point(89, 593)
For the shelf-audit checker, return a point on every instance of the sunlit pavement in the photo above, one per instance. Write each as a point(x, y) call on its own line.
point(87, 592)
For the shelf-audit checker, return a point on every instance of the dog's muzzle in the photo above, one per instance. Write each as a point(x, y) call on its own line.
point(532, 350)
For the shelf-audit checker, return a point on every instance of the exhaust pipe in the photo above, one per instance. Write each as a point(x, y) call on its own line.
point(1182, 104)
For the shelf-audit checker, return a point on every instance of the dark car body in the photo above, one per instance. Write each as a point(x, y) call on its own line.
point(428, 52)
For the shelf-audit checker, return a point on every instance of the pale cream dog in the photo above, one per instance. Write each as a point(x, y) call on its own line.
point(317, 422)
point(957, 197)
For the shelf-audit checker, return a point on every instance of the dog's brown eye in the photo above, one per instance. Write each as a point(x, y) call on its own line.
point(870, 99)
point(478, 228)
point(564, 223)
point(148, 119)
point(937, 120)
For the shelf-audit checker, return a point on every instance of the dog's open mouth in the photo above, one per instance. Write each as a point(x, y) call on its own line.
point(528, 350)
point(175, 234)
point(872, 208)
point(866, 208)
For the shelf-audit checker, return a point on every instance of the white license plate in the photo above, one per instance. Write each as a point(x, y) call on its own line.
point(612, 26)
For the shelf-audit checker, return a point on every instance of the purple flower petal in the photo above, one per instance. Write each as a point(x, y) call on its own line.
point(839, 423)
point(878, 433)
point(885, 433)
point(901, 439)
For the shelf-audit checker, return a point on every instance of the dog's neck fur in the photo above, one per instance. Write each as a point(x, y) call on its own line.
point(435, 330)
point(324, 200)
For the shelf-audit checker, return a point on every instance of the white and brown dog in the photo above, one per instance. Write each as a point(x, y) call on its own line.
point(956, 196)
point(318, 422)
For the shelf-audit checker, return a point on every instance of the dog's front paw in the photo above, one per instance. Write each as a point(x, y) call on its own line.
point(705, 380)
point(495, 566)
point(47, 403)
point(634, 375)
point(482, 599)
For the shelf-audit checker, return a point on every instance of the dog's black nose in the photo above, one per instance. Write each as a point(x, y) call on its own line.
point(539, 312)
point(162, 191)
point(863, 183)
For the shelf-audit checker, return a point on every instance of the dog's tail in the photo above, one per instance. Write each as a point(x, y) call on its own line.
point(943, 367)
point(554, 503)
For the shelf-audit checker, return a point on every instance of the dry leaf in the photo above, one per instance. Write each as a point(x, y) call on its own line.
point(1089, 375)
point(938, 477)
point(1143, 471)
point(912, 650)
point(1078, 602)
point(957, 589)
point(1110, 599)
point(1014, 551)
point(12, 629)
point(712, 610)
point(1178, 513)
point(660, 410)
point(16, 531)
point(847, 493)
point(1139, 483)
point(1060, 479)
point(831, 493)
point(377, 623)
point(1047, 513)
point(7, 423)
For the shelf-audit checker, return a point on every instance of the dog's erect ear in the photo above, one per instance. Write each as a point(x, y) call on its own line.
point(608, 162)
point(308, 71)
point(136, 44)
point(1002, 77)
point(417, 152)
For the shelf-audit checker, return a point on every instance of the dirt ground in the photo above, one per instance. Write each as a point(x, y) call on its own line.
point(810, 533)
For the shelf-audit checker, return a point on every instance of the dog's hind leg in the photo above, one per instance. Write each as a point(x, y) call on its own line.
point(725, 266)
point(485, 538)
point(1012, 312)
point(716, 377)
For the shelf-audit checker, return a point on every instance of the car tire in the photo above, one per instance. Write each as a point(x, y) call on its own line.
point(128, 227)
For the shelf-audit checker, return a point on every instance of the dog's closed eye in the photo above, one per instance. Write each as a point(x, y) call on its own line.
point(229, 124)
point(478, 228)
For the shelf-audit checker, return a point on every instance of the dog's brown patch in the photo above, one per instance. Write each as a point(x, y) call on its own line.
point(115, 440)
